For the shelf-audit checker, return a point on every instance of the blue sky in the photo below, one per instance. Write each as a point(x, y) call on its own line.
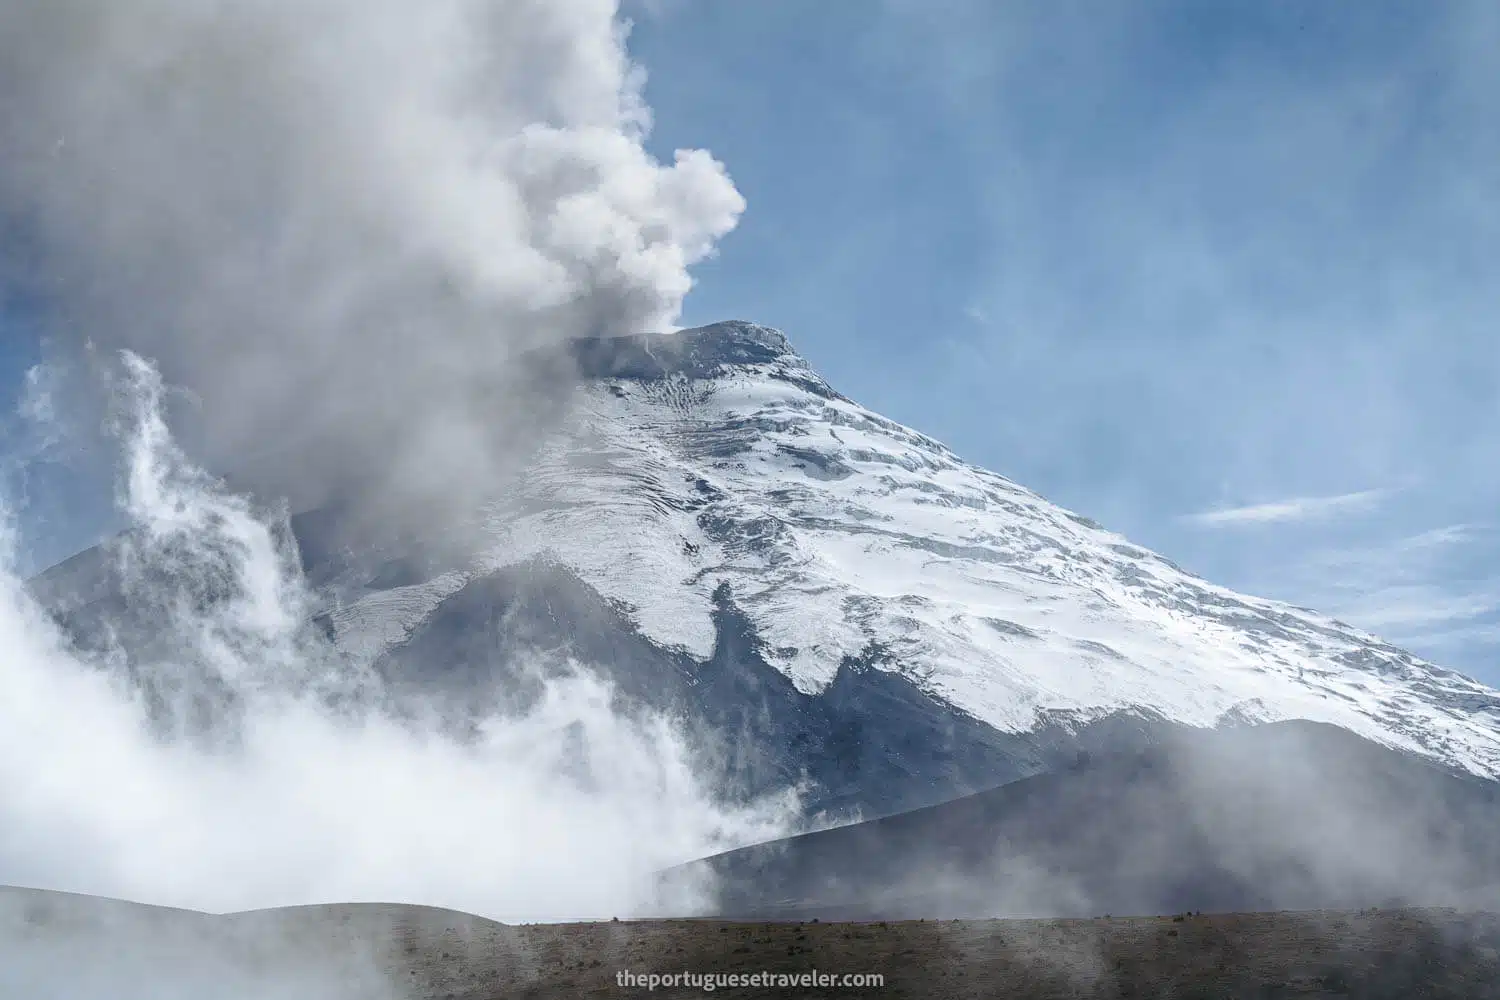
point(1219, 274)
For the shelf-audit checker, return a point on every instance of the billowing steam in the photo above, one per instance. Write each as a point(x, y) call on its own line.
point(317, 794)
point(338, 222)
point(339, 226)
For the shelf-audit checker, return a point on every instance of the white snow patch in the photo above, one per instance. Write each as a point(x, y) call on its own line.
point(838, 532)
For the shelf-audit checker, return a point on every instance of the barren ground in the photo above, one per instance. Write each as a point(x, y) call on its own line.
point(382, 951)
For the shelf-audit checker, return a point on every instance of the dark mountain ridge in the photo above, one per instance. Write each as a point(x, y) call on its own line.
point(1285, 816)
point(821, 597)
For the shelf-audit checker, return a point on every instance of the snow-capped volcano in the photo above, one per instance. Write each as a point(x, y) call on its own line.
point(718, 528)
point(839, 532)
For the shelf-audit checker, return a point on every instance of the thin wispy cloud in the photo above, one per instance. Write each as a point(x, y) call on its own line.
point(1223, 254)
point(1407, 558)
point(1432, 591)
point(1295, 509)
point(1422, 609)
point(1484, 634)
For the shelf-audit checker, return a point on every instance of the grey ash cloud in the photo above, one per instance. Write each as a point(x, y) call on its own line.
point(336, 224)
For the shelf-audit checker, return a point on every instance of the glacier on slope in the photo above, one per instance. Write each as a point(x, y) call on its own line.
point(839, 532)
point(713, 520)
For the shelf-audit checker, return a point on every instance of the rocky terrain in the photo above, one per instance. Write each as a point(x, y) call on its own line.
point(826, 598)
point(1043, 719)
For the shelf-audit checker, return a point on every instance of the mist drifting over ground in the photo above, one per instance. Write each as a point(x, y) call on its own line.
point(332, 250)
point(312, 239)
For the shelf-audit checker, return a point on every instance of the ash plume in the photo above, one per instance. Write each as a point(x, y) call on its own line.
point(311, 252)
point(237, 762)
point(338, 223)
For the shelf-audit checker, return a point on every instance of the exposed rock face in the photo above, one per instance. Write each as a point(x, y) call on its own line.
point(825, 595)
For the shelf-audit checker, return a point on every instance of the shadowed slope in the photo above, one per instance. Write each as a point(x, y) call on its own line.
point(1284, 816)
point(820, 594)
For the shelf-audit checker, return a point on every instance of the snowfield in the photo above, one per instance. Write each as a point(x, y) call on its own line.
point(716, 458)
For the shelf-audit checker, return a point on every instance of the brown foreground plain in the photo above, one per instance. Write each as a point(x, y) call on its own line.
point(399, 952)
point(389, 952)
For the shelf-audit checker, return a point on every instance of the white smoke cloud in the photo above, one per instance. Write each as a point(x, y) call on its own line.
point(562, 812)
point(336, 225)
point(337, 222)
